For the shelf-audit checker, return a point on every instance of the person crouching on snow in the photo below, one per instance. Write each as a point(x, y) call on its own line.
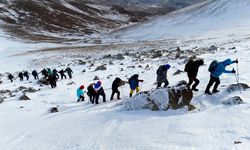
point(80, 93)
point(99, 91)
point(134, 84)
point(216, 72)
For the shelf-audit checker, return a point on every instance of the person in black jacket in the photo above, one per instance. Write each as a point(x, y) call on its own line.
point(10, 77)
point(116, 83)
point(20, 75)
point(26, 74)
point(192, 68)
point(52, 80)
point(61, 72)
point(91, 93)
point(35, 74)
point(69, 72)
point(55, 72)
point(44, 73)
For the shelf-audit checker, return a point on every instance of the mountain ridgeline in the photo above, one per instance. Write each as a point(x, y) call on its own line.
point(58, 21)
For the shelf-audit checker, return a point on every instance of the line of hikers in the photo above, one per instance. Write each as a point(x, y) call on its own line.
point(216, 69)
point(51, 75)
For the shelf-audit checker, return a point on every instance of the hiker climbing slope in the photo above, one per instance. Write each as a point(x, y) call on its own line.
point(99, 91)
point(134, 84)
point(162, 75)
point(80, 93)
point(26, 74)
point(217, 69)
point(192, 68)
point(69, 72)
point(116, 83)
point(20, 75)
point(61, 72)
point(91, 93)
point(10, 77)
point(35, 74)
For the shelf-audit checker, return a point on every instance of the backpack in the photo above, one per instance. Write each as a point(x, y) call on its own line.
point(188, 66)
point(213, 66)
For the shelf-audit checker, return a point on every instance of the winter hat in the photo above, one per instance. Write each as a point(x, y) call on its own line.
point(136, 75)
point(82, 87)
point(99, 83)
point(167, 66)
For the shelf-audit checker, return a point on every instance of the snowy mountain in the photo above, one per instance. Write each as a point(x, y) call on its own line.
point(217, 16)
point(214, 29)
point(72, 20)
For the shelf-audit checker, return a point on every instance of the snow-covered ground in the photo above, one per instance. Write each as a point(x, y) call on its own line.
point(28, 125)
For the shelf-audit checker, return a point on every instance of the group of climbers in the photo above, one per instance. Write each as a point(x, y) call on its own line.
point(192, 67)
point(51, 75)
point(95, 90)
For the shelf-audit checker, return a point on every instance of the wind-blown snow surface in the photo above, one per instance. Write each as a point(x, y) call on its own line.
point(212, 18)
point(27, 124)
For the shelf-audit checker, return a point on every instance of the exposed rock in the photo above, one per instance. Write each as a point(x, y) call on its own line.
point(140, 66)
point(96, 78)
point(108, 77)
point(212, 48)
point(132, 67)
point(102, 67)
point(118, 56)
point(233, 101)
point(178, 49)
point(162, 99)
point(156, 54)
point(43, 81)
point(4, 91)
point(1, 81)
point(53, 110)
point(236, 87)
point(81, 62)
point(178, 72)
point(121, 64)
point(121, 69)
point(71, 83)
point(30, 90)
point(181, 83)
point(83, 70)
point(111, 63)
point(24, 97)
point(1, 100)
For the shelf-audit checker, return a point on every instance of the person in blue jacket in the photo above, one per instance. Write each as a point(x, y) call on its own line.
point(216, 73)
point(80, 93)
point(134, 84)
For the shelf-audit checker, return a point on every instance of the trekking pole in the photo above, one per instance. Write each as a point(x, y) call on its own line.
point(237, 82)
point(122, 91)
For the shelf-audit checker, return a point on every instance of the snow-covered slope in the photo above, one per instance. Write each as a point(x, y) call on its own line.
point(109, 126)
point(210, 18)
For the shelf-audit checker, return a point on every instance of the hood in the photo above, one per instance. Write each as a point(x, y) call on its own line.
point(227, 62)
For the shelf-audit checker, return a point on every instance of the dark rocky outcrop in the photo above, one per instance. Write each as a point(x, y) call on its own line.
point(53, 110)
point(24, 97)
point(236, 87)
point(102, 67)
point(233, 101)
point(174, 97)
point(43, 81)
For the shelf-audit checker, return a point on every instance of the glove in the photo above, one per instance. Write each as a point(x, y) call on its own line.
point(236, 61)
point(233, 71)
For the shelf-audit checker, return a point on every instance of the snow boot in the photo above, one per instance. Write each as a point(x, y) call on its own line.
point(208, 93)
point(215, 91)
